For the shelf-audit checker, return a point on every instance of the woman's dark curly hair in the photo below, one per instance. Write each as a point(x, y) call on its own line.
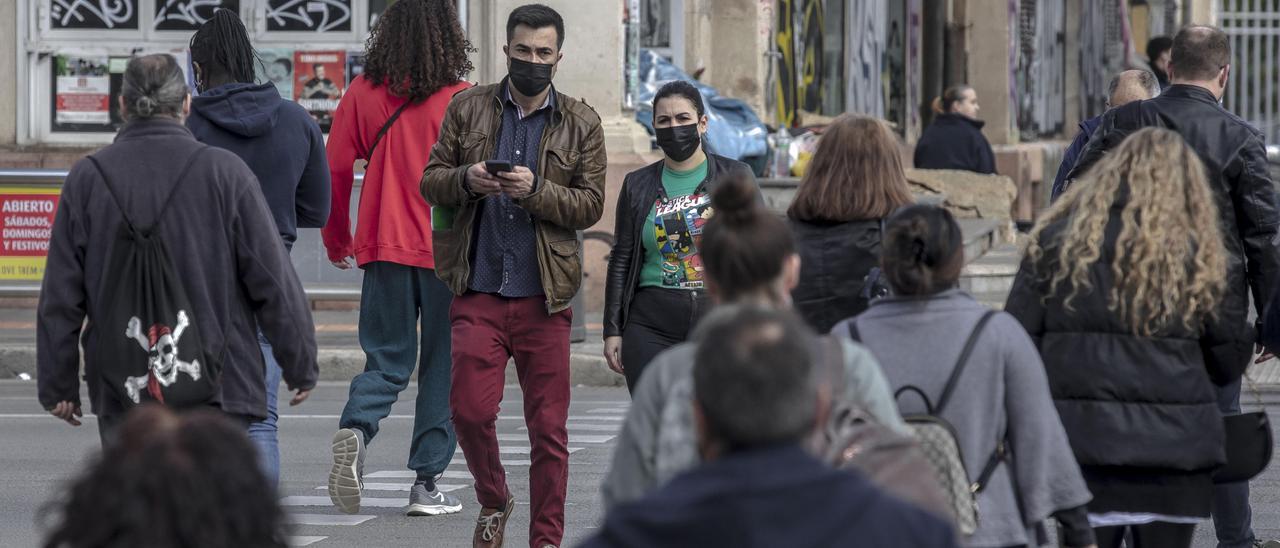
point(189, 480)
point(416, 48)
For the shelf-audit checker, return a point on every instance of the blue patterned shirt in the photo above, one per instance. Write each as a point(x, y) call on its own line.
point(506, 252)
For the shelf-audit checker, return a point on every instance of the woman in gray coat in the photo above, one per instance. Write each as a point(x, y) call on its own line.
point(1002, 395)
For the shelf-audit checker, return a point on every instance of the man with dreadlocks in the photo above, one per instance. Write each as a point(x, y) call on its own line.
point(279, 141)
point(390, 117)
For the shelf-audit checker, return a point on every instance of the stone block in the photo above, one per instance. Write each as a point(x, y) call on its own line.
point(969, 195)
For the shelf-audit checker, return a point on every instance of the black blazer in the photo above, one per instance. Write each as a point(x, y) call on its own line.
point(640, 189)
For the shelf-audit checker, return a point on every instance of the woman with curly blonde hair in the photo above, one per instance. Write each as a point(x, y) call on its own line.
point(1119, 289)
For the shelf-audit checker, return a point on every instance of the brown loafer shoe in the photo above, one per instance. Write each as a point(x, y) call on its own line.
point(491, 525)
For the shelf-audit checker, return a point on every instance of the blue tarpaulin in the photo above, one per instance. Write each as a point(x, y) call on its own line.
point(733, 129)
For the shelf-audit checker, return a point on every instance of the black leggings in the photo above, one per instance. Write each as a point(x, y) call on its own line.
point(659, 319)
point(1157, 534)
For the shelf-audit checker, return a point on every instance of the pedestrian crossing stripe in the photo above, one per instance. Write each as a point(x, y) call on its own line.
point(573, 438)
point(584, 427)
point(401, 487)
point(365, 502)
point(298, 541)
point(326, 519)
point(610, 418)
point(389, 474)
point(609, 410)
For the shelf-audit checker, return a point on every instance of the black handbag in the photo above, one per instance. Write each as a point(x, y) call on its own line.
point(1248, 445)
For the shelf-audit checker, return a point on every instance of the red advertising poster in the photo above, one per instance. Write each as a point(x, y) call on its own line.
point(24, 241)
point(318, 83)
point(83, 90)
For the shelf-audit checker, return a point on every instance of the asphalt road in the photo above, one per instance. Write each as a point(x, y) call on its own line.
point(40, 453)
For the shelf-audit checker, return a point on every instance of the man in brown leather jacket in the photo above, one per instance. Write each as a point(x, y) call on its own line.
point(506, 244)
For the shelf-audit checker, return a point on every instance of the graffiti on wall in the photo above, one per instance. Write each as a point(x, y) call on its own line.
point(785, 80)
point(863, 81)
point(93, 14)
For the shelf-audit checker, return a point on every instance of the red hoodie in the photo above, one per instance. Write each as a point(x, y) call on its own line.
point(393, 222)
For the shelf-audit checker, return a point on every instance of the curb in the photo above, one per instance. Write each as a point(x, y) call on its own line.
point(587, 366)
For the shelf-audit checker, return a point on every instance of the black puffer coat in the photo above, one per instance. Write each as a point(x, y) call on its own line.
point(1141, 412)
point(834, 261)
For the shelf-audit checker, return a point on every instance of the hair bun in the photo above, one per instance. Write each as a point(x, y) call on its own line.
point(145, 106)
point(937, 104)
point(736, 200)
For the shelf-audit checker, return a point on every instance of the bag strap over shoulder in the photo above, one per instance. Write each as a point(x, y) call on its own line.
point(962, 361)
point(177, 183)
point(386, 126)
point(853, 331)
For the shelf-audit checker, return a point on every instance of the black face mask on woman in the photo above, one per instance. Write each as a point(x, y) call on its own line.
point(529, 78)
point(679, 142)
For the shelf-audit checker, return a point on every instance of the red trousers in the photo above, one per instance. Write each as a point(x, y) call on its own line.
point(487, 331)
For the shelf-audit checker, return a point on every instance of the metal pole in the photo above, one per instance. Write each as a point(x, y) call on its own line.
point(462, 14)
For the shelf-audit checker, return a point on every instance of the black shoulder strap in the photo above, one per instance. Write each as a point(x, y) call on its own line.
point(182, 175)
point(990, 468)
point(853, 331)
point(962, 361)
point(386, 126)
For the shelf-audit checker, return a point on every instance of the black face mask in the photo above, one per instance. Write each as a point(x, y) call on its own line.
point(530, 78)
point(679, 142)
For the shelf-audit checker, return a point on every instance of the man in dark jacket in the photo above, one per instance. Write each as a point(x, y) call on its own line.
point(1235, 158)
point(756, 397)
point(235, 278)
point(283, 146)
point(279, 141)
point(1125, 88)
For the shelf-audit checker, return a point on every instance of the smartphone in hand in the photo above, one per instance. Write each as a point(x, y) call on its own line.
point(496, 166)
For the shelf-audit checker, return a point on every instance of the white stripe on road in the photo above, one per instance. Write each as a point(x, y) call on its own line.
point(402, 487)
point(573, 438)
point(589, 427)
point(365, 502)
point(304, 541)
point(327, 519)
point(395, 474)
point(609, 410)
point(571, 417)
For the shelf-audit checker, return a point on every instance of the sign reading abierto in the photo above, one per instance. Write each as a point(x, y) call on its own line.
point(24, 239)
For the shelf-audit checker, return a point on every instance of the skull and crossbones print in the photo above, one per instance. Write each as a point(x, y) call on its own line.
point(161, 345)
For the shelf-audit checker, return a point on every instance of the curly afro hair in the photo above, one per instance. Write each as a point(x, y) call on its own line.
point(417, 47)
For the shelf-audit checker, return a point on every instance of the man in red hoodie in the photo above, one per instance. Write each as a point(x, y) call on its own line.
point(390, 117)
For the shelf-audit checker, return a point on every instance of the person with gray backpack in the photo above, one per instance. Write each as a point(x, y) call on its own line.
point(970, 383)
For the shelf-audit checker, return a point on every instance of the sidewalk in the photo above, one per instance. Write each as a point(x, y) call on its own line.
point(339, 349)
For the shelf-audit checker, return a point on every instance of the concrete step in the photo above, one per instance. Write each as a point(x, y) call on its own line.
point(992, 273)
point(980, 236)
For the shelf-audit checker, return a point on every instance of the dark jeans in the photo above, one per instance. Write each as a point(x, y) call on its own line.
point(659, 319)
point(393, 300)
point(1232, 516)
point(489, 330)
point(1151, 535)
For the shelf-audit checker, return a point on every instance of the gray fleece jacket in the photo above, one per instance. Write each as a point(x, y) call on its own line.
point(1002, 394)
point(659, 441)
